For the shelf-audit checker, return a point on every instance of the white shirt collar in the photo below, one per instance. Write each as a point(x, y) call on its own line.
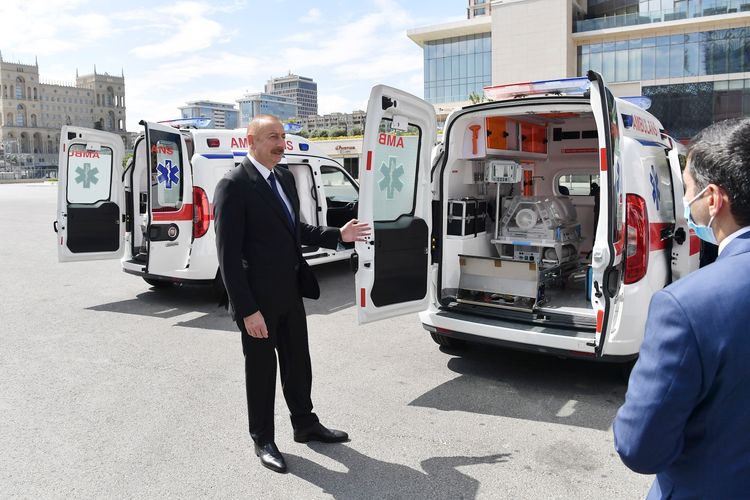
point(262, 169)
point(726, 241)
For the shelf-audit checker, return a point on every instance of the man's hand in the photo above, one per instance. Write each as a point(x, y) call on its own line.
point(256, 325)
point(354, 231)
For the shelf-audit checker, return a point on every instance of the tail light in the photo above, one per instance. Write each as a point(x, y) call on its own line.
point(201, 212)
point(637, 244)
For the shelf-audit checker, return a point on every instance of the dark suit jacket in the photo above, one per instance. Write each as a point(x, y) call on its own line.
point(686, 415)
point(258, 251)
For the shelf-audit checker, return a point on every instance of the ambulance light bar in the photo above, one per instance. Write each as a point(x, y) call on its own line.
point(188, 122)
point(566, 86)
point(641, 101)
point(292, 128)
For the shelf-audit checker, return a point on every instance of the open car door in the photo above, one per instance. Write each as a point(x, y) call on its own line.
point(170, 201)
point(90, 221)
point(608, 253)
point(686, 246)
point(395, 199)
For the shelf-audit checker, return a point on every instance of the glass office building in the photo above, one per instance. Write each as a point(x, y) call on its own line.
point(456, 67)
point(262, 103)
point(692, 57)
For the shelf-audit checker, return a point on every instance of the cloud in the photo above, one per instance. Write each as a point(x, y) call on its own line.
point(188, 30)
point(312, 16)
point(51, 31)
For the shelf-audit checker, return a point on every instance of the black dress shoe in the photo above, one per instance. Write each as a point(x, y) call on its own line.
point(317, 432)
point(270, 457)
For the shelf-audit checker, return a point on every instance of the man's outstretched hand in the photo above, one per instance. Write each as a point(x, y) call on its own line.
point(355, 231)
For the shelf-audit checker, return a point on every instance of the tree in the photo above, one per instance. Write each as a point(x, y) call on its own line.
point(357, 131)
point(338, 132)
point(323, 133)
point(476, 98)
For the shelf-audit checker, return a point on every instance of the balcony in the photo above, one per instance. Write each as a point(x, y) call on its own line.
point(716, 8)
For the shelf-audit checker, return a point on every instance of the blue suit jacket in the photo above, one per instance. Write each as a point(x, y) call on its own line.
point(686, 415)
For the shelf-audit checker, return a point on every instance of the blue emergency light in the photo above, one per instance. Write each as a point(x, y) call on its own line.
point(303, 146)
point(641, 101)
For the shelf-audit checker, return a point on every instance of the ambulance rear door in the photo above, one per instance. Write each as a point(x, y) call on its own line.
point(607, 256)
point(170, 228)
point(90, 221)
point(395, 199)
point(686, 246)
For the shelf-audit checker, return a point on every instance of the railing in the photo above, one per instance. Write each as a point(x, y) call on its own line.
point(618, 21)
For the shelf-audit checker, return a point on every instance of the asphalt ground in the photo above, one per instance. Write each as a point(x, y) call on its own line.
point(113, 389)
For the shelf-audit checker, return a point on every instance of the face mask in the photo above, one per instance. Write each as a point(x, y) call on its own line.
point(703, 232)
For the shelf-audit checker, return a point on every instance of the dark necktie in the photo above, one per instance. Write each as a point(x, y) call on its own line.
point(275, 189)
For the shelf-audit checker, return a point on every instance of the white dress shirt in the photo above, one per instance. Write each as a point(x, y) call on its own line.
point(266, 173)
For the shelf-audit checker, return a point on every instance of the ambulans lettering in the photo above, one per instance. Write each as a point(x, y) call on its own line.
point(645, 126)
point(78, 153)
point(391, 140)
point(166, 150)
point(241, 143)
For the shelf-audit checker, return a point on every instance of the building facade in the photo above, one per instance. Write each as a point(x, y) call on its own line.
point(348, 122)
point(222, 115)
point(262, 103)
point(691, 57)
point(32, 112)
point(478, 8)
point(303, 90)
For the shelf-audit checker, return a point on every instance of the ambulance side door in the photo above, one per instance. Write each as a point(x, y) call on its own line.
point(170, 228)
point(686, 246)
point(395, 200)
point(90, 221)
point(608, 253)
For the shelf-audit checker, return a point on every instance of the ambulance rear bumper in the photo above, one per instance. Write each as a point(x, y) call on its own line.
point(548, 340)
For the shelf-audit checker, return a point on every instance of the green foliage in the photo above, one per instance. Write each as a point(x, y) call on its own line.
point(125, 159)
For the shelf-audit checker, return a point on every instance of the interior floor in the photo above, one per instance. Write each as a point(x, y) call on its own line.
point(571, 295)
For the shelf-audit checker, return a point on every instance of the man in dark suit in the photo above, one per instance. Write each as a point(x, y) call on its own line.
point(687, 408)
point(258, 239)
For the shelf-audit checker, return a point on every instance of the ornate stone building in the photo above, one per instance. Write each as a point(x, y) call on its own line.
point(32, 112)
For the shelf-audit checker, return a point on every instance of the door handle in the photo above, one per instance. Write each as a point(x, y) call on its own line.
point(54, 226)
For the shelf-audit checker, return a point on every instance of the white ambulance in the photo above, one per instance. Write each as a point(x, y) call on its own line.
point(156, 214)
point(545, 220)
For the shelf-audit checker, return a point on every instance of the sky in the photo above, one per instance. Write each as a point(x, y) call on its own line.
point(172, 52)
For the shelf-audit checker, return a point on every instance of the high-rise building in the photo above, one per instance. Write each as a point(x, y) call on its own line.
point(302, 89)
point(222, 115)
point(261, 103)
point(479, 8)
point(32, 112)
point(691, 57)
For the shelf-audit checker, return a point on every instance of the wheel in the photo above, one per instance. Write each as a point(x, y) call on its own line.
point(447, 342)
point(158, 283)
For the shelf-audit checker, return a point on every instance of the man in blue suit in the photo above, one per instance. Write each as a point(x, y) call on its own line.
point(686, 416)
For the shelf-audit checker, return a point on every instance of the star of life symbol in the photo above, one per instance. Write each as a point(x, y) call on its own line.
point(655, 193)
point(86, 175)
point(168, 174)
point(391, 180)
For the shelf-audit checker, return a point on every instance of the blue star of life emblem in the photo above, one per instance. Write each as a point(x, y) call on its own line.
point(168, 174)
point(86, 175)
point(391, 180)
point(655, 193)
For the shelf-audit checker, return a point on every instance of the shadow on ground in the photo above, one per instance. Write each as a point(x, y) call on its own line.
point(336, 288)
point(367, 478)
point(528, 386)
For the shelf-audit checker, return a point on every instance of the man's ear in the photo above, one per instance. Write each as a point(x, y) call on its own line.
point(718, 199)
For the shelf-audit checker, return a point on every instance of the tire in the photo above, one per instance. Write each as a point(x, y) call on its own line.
point(158, 283)
point(447, 342)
